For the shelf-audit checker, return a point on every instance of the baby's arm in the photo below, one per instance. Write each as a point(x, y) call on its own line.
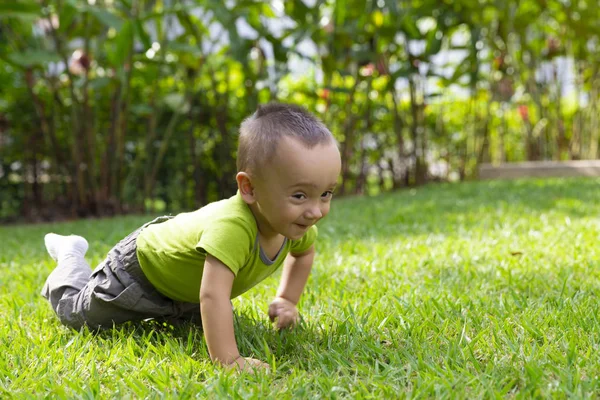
point(217, 315)
point(296, 270)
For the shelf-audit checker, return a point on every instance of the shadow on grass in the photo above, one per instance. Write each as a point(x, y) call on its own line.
point(299, 348)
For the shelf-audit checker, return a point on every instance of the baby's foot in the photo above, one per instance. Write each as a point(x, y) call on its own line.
point(59, 246)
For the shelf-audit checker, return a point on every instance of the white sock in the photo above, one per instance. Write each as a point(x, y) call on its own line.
point(60, 246)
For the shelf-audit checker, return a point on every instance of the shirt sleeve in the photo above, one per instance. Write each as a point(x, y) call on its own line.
point(229, 240)
point(301, 245)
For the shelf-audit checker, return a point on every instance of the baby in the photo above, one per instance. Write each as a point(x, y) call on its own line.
point(288, 165)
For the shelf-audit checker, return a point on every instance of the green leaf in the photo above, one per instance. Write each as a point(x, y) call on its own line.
point(105, 17)
point(409, 27)
point(124, 41)
point(253, 19)
point(192, 25)
point(267, 11)
point(279, 52)
point(99, 83)
point(66, 16)
point(340, 12)
point(20, 9)
point(462, 68)
point(239, 46)
point(122, 45)
point(298, 11)
point(434, 44)
point(33, 58)
point(142, 34)
point(363, 55)
point(185, 48)
point(403, 72)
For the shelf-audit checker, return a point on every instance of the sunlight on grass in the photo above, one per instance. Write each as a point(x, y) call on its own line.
point(484, 289)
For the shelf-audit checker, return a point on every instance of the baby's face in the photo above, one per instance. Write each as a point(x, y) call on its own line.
point(296, 187)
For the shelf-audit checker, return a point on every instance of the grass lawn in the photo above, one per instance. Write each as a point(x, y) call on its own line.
point(486, 289)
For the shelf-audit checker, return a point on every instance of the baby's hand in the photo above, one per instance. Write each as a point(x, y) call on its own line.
point(285, 312)
point(247, 364)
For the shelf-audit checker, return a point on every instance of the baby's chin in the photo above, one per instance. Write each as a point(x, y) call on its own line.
point(295, 236)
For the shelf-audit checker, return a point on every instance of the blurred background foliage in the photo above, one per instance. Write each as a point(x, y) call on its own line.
point(116, 106)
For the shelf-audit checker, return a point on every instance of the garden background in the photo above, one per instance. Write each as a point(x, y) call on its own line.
point(119, 106)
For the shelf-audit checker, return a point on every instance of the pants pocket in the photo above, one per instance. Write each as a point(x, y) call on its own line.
point(126, 299)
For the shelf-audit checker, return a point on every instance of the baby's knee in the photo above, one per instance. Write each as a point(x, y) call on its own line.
point(68, 314)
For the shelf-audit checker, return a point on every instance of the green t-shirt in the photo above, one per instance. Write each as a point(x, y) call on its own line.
point(172, 253)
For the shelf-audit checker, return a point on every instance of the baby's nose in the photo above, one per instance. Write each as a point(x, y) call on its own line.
point(314, 213)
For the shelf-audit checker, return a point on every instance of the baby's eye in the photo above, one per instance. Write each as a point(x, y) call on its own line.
point(299, 196)
point(328, 194)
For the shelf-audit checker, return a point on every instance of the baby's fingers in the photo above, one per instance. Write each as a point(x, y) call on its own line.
point(253, 365)
point(274, 311)
point(286, 319)
point(248, 365)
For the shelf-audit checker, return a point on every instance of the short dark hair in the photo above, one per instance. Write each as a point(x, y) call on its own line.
point(260, 133)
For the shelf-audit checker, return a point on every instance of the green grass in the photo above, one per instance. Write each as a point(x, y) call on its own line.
point(476, 290)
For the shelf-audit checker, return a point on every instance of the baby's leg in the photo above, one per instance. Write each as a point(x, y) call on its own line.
point(72, 272)
point(115, 292)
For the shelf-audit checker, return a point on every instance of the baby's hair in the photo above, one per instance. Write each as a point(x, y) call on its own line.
point(260, 133)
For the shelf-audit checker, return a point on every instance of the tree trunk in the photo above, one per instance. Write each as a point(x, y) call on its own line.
point(361, 180)
point(164, 146)
point(594, 127)
point(484, 149)
point(80, 204)
point(398, 131)
point(88, 128)
point(347, 149)
point(503, 131)
point(46, 125)
point(576, 147)
point(108, 161)
point(418, 135)
point(197, 176)
point(121, 133)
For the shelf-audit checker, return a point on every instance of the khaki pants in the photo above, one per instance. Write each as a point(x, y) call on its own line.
point(115, 292)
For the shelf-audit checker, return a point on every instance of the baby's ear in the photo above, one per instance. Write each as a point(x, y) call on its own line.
point(245, 187)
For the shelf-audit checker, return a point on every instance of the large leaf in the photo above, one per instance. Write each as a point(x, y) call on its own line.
point(185, 48)
point(123, 45)
point(409, 27)
point(66, 16)
point(298, 11)
point(193, 26)
point(99, 83)
point(28, 9)
point(105, 17)
point(142, 34)
point(340, 12)
point(267, 11)
point(462, 69)
point(159, 13)
point(239, 47)
point(280, 53)
point(33, 58)
point(434, 42)
point(404, 72)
